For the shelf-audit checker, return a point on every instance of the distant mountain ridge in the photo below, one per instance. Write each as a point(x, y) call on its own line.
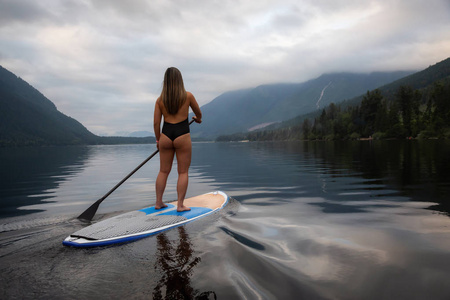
point(243, 110)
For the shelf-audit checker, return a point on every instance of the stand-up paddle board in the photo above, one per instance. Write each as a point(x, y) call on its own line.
point(144, 222)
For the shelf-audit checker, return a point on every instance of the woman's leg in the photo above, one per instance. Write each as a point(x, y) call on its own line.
point(166, 153)
point(183, 150)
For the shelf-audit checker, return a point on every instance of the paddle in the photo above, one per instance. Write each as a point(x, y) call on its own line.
point(89, 213)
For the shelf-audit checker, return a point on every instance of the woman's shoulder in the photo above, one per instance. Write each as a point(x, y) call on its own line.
point(159, 103)
point(190, 96)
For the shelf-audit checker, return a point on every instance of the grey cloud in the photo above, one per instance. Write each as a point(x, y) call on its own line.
point(336, 6)
point(45, 12)
point(293, 18)
point(129, 7)
point(22, 11)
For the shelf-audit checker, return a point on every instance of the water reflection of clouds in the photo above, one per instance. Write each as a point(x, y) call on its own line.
point(339, 254)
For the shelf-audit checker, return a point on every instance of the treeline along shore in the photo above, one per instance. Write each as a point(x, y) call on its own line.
point(411, 114)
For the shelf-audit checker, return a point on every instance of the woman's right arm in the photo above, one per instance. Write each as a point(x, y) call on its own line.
point(157, 117)
point(195, 108)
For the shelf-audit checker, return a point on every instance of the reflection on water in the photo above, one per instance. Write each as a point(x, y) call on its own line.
point(46, 178)
point(175, 262)
point(67, 180)
point(340, 172)
point(28, 175)
point(314, 220)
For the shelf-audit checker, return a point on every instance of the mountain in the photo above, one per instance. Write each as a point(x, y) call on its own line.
point(254, 108)
point(417, 105)
point(421, 80)
point(28, 118)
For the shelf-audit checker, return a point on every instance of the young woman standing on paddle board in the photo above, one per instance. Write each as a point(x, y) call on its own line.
point(174, 139)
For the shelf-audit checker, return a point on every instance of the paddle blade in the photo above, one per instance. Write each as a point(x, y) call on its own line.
point(89, 213)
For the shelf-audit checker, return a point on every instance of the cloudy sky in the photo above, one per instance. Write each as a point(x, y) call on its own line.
point(102, 61)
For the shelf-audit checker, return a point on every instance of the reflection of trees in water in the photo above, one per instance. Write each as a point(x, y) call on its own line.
point(176, 264)
point(418, 169)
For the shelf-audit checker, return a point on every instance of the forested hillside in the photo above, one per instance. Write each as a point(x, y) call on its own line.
point(415, 106)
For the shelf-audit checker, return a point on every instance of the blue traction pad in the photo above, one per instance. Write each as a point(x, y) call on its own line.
point(190, 214)
point(152, 210)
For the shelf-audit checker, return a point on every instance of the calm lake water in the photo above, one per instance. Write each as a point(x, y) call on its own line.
point(312, 220)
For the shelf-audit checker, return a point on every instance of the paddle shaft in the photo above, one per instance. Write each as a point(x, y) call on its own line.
point(129, 175)
point(89, 213)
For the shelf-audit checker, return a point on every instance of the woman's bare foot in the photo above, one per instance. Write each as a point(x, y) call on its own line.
point(183, 208)
point(160, 206)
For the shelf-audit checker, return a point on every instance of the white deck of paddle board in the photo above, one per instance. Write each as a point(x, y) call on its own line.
point(144, 222)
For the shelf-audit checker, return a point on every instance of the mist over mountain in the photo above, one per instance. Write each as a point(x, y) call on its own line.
point(254, 108)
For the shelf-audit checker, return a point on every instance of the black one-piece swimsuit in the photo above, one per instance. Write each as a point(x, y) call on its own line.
point(172, 131)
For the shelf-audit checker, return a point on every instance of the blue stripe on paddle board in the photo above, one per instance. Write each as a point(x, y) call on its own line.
point(151, 210)
point(190, 214)
point(114, 241)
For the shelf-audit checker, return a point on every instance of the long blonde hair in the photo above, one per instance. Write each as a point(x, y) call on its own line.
point(173, 94)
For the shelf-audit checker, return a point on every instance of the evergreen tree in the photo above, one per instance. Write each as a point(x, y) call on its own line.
point(409, 102)
point(440, 96)
point(306, 129)
point(370, 105)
